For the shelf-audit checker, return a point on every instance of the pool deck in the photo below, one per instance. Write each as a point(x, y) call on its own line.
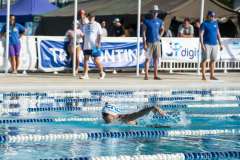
point(65, 81)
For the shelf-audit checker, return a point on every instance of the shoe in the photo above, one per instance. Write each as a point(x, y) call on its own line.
point(102, 75)
point(146, 78)
point(213, 78)
point(14, 72)
point(84, 77)
point(204, 78)
point(157, 78)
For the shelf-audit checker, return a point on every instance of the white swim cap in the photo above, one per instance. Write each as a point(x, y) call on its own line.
point(111, 109)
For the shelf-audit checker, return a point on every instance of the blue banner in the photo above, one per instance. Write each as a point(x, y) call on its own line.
point(53, 55)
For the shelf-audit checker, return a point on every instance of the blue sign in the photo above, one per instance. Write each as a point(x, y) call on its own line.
point(53, 55)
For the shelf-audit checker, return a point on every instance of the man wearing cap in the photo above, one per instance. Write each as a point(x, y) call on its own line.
point(209, 38)
point(152, 31)
point(112, 113)
point(118, 30)
point(91, 46)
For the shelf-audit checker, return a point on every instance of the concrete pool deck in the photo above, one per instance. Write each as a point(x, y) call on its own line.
point(65, 81)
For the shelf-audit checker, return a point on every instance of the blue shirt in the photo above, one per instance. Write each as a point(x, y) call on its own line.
point(14, 33)
point(153, 27)
point(210, 29)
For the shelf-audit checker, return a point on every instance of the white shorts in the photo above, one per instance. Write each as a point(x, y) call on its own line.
point(211, 53)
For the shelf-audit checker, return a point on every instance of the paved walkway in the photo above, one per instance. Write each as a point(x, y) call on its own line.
point(65, 81)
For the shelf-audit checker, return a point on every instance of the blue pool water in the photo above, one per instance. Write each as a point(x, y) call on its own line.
point(204, 124)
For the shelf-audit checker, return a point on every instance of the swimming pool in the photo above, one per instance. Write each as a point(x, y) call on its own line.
point(68, 125)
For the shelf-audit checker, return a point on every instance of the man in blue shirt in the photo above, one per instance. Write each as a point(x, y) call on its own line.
point(209, 37)
point(15, 32)
point(153, 29)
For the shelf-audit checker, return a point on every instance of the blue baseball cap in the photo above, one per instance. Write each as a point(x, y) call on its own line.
point(111, 109)
point(211, 14)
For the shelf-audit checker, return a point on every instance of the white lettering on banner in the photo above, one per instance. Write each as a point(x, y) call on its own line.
point(58, 53)
point(181, 49)
point(120, 55)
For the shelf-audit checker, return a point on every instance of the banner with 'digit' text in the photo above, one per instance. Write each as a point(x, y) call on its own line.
point(181, 49)
point(115, 53)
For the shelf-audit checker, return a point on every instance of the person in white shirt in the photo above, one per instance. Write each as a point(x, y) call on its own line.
point(91, 46)
point(70, 48)
point(104, 29)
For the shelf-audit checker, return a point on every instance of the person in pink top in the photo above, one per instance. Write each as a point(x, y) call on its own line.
point(70, 47)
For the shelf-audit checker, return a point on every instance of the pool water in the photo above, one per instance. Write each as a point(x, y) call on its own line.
point(44, 125)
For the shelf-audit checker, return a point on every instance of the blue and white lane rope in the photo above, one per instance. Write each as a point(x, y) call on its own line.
point(58, 100)
point(162, 156)
point(198, 92)
point(24, 94)
point(111, 92)
point(233, 105)
point(173, 107)
point(45, 109)
point(150, 99)
point(99, 108)
point(214, 115)
point(70, 94)
point(176, 156)
point(225, 92)
point(117, 134)
point(47, 120)
point(121, 93)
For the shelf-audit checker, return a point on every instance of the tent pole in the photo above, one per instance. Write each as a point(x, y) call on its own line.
point(7, 36)
point(138, 35)
point(202, 10)
point(75, 37)
point(201, 20)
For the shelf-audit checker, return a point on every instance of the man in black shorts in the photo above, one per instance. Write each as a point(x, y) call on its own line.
point(91, 45)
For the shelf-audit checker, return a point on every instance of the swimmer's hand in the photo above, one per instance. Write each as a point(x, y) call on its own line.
point(158, 110)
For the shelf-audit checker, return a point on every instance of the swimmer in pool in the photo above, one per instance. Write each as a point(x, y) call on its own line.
point(112, 113)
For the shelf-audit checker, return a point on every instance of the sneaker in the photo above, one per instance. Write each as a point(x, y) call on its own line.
point(114, 71)
point(142, 72)
point(84, 77)
point(102, 76)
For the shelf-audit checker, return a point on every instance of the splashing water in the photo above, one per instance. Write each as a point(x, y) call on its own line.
point(170, 119)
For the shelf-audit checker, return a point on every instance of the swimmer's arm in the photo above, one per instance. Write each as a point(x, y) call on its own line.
point(133, 116)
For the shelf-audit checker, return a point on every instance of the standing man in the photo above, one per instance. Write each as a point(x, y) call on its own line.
point(16, 30)
point(152, 31)
point(91, 46)
point(118, 29)
point(209, 37)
